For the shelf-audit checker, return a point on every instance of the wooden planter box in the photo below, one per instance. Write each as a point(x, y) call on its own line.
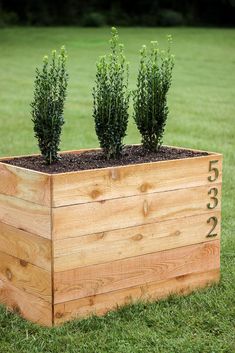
point(83, 242)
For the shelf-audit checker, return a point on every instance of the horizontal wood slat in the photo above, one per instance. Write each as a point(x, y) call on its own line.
point(25, 215)
point(25, 184)
point(102, 303)
point(95, 217)
point(128, 242)
point(25, 246)
point(27, 277)
point(103, 184)
point(97, 279)
point(30, 307)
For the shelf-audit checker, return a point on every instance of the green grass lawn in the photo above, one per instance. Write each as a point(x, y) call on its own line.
point(202, 115)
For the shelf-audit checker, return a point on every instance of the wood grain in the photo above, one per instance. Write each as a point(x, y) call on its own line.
point(25, 276)
point(25, 246)
point(25, 184)
point(109, 183)
point(25, 215)
point(118, 244)
point(102, 303)
point(95, 217)
point(102, 278)
point(27, 305)
point(116, 235)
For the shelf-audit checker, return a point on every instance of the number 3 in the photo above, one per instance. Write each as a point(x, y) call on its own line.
point(214, 198)
point(214, 169)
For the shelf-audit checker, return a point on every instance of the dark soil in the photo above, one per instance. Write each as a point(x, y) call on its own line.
point(95, 159)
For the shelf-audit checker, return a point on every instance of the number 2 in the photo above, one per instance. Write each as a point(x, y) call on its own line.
point(214, 169)
point(214, 224)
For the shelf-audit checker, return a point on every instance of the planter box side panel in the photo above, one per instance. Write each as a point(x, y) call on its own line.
point(78, 243)
point(136, 229)
point(103, 216)
point(29, 306)
point(110, 183)
point(28, 247)
point(156, 276)
point(25, 215)
point(102, 303)
point(134, 271)
point(25, 274)
point(25, 184)
point(25, 244)
point(93, 249)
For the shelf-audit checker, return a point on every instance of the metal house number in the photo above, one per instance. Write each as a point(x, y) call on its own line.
point(214, 169)
point(214, 222)
point(213, 192)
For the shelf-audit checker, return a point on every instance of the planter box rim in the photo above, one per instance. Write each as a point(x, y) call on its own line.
point(210, 153)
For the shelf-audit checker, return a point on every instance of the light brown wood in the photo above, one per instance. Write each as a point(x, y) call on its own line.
point(25, 215)
point(27, 305)
point(3, 159)
point(109, 183)
point(195, 150)
point(118, 244)
point(84, 242)
point(25, 184)
point(25, 246)
point(25, 276)
point(97, 279)
point(102, 303)
point(95, 217)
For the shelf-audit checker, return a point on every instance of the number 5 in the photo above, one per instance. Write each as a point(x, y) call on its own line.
point(214, 169)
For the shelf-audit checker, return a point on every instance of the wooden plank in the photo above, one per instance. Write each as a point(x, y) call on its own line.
point(25, 215)
point(25, 184)
point(25, 276)
point(194, 150)
point(25, 246)
point(2, 159)
point(102, 278)
point(102, 303)
point(135, 144)
point(118, 244)
point(102, 216)
point(109, 183)
point(28, 306)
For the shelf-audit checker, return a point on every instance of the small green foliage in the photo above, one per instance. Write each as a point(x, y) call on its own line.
point(111, 99)
point(150, 97)
point(48, 104)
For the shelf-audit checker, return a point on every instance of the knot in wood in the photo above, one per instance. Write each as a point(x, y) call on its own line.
point(91, 301)
point(16, 309)
point(58, 315)
point(9, 274)
point(95, 194)
point(23, 263)
point(144, 187)
point(137, 237)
